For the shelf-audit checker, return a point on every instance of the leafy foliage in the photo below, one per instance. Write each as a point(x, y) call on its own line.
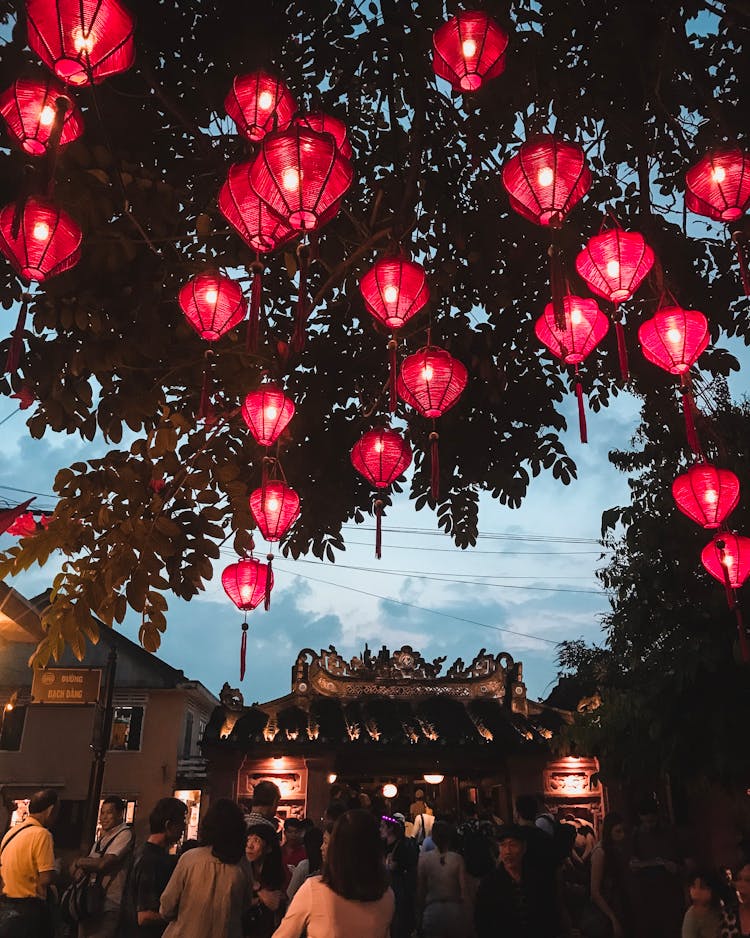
point(674, 694)
point(110, 353)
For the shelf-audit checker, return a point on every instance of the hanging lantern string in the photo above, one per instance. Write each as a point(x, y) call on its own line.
point(378, 528)
point(392, 370)
point(689, 410)
point(243, 649)
point(256, 295)
point(733, 603)
point(53, 147)
point(616, 221)
point(557, 280)
point(434, 464)
point(267, 473)
point(204, 408)
point(622, 349)
point(740, 242)
point(24, 194)
point(303, 300)
point(269, 578)
point(16, 342)
point(581, 409)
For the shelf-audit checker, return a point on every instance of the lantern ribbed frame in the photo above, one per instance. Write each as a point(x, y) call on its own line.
point(245, 582)
point(614, 263)
point(718, 186)
point(737, 558)
point(213, 304)
point(275, 509)
point(474, 32)
point(431, 381)
point(81, 41)
point(248, 93)
point(25, 107)
point(300, 174)
point(585, 327)
point(381, 456)
point(35, 257)
point(546, 178)
point(707, 495)
point(674, 338)
point(267, 411)
point(254, 222)
point(326, 124)
point(408, 279)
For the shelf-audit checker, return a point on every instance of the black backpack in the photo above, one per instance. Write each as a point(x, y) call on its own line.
point(84, 897)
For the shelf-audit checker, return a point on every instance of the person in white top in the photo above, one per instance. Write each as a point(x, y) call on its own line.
point(352, 898)
point(442, 893)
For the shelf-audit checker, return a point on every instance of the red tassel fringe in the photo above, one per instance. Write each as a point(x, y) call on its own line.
point(205, 405)
point(393, 366)
point(378, 528)
point(269, 574)
point(581, 412)
point(300, 320)
point(434, 466)
point(243, 651)
point(253, 322)
point(622, 351)
point(16, 342)
point(688, 407)
point(740, 245)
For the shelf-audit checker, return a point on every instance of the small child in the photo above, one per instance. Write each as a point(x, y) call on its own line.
point(703, 918)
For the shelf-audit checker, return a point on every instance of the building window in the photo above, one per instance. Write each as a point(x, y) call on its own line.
point(187, 743)
point(126, 729)
point(11, 728)
point(201, 734)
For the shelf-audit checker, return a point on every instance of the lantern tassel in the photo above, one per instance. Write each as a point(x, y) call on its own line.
point(205, 404)
point(393, 368)
point(581, 410)
point(269, 577)
point(622, 351)
point(434, 466)
point(302, 312)
point(253, 322)
point(688, 408)
point(378, 528)
point(740, 244)
point(53, 147)
point(557, 284)
point(243, 651)
point(16, 342)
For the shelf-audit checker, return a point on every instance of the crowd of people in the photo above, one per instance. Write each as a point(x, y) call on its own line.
point(365, 873)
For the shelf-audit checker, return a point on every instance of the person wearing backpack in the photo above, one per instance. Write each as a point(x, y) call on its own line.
point(106, 869)
point(27, 867)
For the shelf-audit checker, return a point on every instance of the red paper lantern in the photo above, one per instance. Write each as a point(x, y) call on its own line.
point(82, 41)
point(707, 495)
point(381, 456)
point(727, 558)
point(245, 583)
point(546, 178)
point(431, 381)
point(267, 411)
point(275, 508)
point(301, 176)
point(29, 107)
point(48, 240)
point(469, 49)
point(394, 290)
point(718, 186)
point(585, 327)
point(674, 338)
point(325, 124)
point(255, 223)
point(213, 304)
point(259, 103)
point(614, 263)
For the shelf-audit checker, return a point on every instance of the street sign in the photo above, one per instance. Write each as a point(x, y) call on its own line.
point(66, 686)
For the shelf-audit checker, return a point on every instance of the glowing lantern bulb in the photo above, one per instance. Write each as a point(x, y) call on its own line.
point(711, 496)
point(265, 100)
point(427, 372)
point(674, 335)
point(576, 318)
point(212, 296)
point(41, 231)
point(82, 43)
point(378, 447)
point(290, 179)
point(613, 269)
point(546, 176)
point(271, 412)
point(273, 504)
point(390, 294)
point(469, 48)
point(718, 174)
point(47, 116)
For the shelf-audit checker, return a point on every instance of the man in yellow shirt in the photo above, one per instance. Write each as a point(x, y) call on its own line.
point(27, 868)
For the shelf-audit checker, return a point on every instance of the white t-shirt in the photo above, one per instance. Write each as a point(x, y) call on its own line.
point(318, 912)
point(119, 842)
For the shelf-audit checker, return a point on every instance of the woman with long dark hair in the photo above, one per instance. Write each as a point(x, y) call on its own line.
point(210, 886)
point(609, 911)
point(352, 898)
point(263, 853)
